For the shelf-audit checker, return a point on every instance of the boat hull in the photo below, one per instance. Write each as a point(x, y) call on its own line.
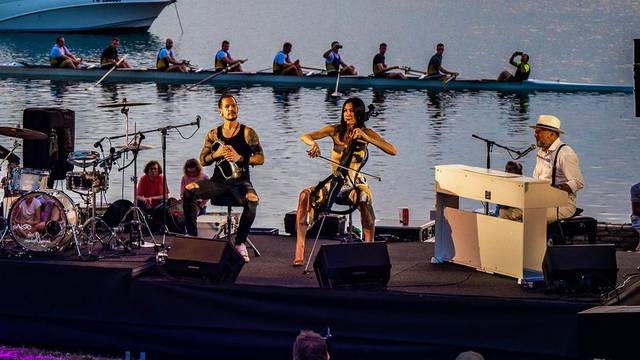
point(243, 79)
point(79, 15)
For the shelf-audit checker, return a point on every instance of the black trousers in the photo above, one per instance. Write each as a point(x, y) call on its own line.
point(210, 189)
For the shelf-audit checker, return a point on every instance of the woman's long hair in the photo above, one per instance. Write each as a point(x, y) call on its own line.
point(361, 115)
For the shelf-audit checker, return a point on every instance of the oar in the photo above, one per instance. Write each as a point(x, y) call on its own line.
point(223, 71)
point(336, 93)
point(265, 69)
point(312, 68)
point(107, 74)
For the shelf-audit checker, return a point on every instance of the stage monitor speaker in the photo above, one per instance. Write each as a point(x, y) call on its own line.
point(580, 268)
point(59, 125)
point(216, 260)
point(353, 265)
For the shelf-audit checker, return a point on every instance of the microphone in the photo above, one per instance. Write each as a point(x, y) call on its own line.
point(198, 121)
point(98, 143)
point(528, 150)
point(112, 152)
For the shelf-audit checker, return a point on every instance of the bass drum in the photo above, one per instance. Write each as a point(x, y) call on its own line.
point(116, 211)
point(43, 220)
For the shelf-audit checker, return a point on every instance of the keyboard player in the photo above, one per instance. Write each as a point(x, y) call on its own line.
point(557, 163)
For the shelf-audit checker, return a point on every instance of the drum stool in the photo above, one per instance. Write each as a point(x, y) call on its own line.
point(230, 202)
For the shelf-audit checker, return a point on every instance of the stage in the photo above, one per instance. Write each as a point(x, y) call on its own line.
point(427, 311)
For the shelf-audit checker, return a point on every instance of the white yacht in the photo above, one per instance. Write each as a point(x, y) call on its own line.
point(79, 15)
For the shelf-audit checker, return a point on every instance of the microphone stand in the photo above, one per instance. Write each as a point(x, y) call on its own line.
point(490, 145)
point(163, 132)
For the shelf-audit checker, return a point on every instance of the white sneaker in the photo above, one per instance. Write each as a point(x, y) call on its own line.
point(242, 250)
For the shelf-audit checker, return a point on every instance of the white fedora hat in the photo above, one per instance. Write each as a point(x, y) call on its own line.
point(548, 122)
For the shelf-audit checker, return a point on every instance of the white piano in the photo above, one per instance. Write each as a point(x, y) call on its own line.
point(484, 242)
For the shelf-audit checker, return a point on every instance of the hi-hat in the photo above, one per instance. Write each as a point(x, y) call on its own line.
point(21, 133)
point(124, 104)
point(134, 146)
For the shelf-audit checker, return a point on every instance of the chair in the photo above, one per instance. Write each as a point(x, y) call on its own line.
point(230, 202)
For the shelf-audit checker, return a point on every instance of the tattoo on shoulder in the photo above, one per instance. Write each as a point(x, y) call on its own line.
point(213, 135)
point(254, 142)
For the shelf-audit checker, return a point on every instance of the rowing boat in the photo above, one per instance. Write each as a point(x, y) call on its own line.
point(318, 80)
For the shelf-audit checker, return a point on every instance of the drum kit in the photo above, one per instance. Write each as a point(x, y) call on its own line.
point(42, 220)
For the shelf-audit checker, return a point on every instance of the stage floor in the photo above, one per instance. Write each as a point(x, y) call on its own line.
point(411, 271)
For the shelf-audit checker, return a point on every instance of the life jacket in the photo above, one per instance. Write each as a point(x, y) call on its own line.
point(334, 65)
point(163, 63)
point(219, 65)
point(522, 72)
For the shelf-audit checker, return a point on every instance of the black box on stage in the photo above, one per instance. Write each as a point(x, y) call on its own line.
point(216, 260)
point(59, 125)
point(601, 333)
point(334, 225)
point(353, 265)
point(576, 228)
point(576, 268)
point(415, 230)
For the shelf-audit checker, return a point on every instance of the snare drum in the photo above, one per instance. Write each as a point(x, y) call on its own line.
point(25, 180)
point(81, 181)
point(43, 220)
point(83, 158)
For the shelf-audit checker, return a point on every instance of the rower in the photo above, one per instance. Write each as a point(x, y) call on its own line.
point(224, 59)
point(523, 69)
point(334, 63)
point(166, 60)
point(282, 64)
point(380, 69)
point(109, 57)
point(435, 70)
point(61, 57)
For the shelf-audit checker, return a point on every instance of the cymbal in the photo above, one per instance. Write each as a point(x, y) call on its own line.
point(124, 104)
point(134, 146)
point(21, 133)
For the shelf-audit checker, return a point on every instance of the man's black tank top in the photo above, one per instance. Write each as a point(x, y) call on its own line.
point(239, 144)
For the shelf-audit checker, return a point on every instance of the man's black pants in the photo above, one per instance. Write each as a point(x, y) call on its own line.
point(210, 189)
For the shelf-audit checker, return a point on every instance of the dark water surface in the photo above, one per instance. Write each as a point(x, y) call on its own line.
point(591, 42)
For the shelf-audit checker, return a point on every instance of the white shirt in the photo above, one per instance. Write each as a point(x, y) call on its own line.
point(567, 167)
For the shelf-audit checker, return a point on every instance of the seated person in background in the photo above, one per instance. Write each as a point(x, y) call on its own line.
point(224, 59)
point(523, 69)
point(109, 57)
point(282, 64)
point(193, 173)
point(635, 209)
point(61, 57)
point(506, 212)
point(150, 187)
point(380, 68)
point(333, 62)
point(166, 59)
point(27, 218)
point(435, 70)
point(310, 345)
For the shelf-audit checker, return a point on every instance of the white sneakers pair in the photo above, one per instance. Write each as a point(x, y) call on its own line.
point(242, 250)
